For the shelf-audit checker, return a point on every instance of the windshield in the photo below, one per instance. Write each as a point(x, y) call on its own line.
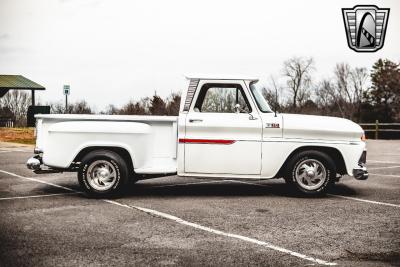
point(262, 103)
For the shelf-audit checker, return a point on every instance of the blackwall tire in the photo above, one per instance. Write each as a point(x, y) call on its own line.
point(103, 173)
point(311, 172)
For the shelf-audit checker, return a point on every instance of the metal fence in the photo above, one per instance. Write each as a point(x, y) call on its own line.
point(379, 130)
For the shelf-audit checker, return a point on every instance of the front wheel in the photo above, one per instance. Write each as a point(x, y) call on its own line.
point(103, 173)
point(311, 172)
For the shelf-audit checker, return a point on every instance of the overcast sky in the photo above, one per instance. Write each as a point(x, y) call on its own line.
point(113, 51)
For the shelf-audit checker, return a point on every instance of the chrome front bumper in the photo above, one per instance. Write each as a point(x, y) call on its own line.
point(360, 173)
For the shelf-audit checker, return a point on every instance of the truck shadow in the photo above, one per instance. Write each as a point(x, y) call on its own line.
point(225, 189)
point(149, 189)
point(344, 190)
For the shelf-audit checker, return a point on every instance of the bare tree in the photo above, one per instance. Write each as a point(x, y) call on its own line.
point(56, 107)
point(342, 74)
point(17, 102)
point(110, 110)
point(146, 106)
point(348, 89)
point(271, 94)
point(324, 91)
point(132, 108)
point(343, 95)
point(298, 72)
point(80, 107)
point(359, 78)
point(327, 98)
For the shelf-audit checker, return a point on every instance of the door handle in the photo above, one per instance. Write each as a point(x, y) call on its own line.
point(195, 120)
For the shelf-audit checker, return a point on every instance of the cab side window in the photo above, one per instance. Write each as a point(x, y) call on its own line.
point(221, 98)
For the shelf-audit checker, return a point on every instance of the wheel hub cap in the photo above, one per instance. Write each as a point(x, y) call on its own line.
point(101, 175)
point(310, 174)
point(104, 173)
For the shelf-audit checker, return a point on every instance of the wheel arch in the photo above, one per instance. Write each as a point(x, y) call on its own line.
point(334, 153)
point(124, 153)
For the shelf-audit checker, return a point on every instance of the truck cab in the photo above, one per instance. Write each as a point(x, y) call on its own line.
point(222, 125)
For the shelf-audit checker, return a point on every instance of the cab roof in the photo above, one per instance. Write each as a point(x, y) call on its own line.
point(221, 77)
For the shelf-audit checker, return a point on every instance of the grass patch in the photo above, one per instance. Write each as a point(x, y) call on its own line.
point(17, 135)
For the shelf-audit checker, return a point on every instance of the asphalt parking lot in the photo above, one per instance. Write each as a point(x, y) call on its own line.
point(197, 222)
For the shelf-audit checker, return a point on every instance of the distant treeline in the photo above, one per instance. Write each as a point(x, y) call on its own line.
point(356, 93)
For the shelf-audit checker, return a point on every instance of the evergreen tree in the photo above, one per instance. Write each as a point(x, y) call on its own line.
point(385, 90)
point(157, 106)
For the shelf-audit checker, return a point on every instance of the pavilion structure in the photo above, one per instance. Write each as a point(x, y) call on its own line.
point(18, 82)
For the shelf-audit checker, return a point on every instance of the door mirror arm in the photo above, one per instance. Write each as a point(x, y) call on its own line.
point(251, 117)
point(238, 109)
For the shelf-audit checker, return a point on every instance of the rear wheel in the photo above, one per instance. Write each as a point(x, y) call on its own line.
point(103, 173)
point(311, 172)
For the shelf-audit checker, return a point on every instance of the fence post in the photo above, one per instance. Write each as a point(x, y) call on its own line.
point(376, 129)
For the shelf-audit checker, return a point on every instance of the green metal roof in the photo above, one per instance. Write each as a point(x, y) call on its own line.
point(18, 82)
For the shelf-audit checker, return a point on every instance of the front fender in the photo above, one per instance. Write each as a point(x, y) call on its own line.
point(273, 161)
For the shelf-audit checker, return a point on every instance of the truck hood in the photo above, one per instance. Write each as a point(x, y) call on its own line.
point(320, 127)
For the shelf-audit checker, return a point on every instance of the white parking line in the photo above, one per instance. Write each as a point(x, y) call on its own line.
point(40, 181)
point(366, 200)
point(17, 150)
point(387, 167)
point(218, 232)
point(340, 196)
point(194, 225)
point(388, 175)
point(5, 151)
point(37, 196)
point(381, 161)
point(10, 151)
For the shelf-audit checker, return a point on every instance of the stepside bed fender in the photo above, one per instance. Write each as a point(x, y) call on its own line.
point(71, 137)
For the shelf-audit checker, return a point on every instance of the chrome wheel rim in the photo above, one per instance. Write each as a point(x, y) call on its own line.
point(102, 175)
point(310, 174)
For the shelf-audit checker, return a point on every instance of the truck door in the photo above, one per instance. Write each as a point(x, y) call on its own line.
point(219, 139)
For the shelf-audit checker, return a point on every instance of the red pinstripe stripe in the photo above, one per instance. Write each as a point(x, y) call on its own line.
point(206, 141)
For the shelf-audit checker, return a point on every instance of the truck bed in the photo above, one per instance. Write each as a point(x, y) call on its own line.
point(152, 140)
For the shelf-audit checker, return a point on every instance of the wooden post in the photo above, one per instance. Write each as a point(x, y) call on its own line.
point(33, 97)
point(376, 129)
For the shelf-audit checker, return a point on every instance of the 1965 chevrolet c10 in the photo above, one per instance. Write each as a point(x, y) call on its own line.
point(225, 128)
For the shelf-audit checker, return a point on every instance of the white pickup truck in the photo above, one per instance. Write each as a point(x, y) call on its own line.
point(225, 128)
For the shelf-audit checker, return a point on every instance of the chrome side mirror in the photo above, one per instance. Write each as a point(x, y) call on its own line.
point(238, 109)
